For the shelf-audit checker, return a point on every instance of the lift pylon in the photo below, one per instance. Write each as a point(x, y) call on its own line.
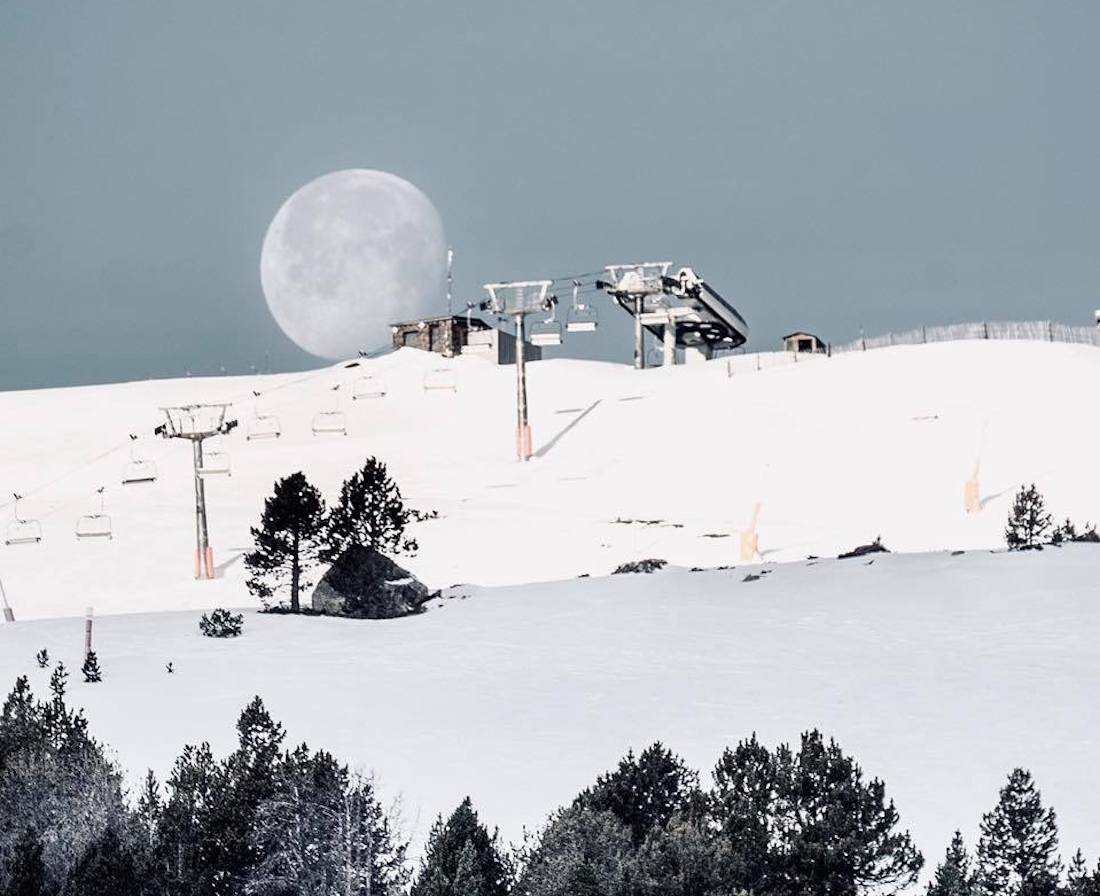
point(517, 299)
point(196, 423)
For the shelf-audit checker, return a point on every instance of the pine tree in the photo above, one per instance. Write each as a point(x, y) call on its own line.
point(462, 859)
point(1017, 852)
point(1079, 880)
point(91, 668)
point(42, 658)
point(107, 868)
point(953, 876)
point(644, 792)
point(743, 803)
point(26, 870)
point(289, 538)
point(581, 853)
point(1028, 521)
point(807, 822)
point(370, 513)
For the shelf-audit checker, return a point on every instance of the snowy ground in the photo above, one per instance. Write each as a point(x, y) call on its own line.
point(836, 450)
point(939, 673)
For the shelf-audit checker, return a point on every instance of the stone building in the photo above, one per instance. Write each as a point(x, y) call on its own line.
point(451, 335)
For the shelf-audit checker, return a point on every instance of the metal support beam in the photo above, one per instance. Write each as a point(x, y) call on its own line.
point(523, 428)
point(670, 342)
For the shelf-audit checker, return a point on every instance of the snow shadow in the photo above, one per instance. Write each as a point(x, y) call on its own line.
point(545, 449)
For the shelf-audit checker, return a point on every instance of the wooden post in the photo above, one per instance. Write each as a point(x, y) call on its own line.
point(87, 632)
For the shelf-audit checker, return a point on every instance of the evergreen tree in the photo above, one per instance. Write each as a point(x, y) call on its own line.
point(462, 859)
point(26, 872)
point(288, 539)
point(744, 805)
point(644, 792)
point(42, 658)
point(1028, 521)
point(91, 670)
point(581, 852)
point(370, 513)
point(108, 868)
point(953, 876)
point(1079, 880)
point(1017, 852)
point(807, 822)
point(184, 832)
point(683, 858)
point(55, 779)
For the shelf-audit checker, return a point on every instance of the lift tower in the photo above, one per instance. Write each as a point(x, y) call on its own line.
point(634, 286)
point(517, 299)
point(196, 423)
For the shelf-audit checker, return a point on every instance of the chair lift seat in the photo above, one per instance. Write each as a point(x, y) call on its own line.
point(264, 426)
point(440, 379)
point(138, 471)
point(23, 532)
point(215, 463)
point(368, 387)
point(581, 319)
point(94, 525)
point(546, 337)
point(335, 422)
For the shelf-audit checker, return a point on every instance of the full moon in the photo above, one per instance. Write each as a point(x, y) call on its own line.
point(347, 255)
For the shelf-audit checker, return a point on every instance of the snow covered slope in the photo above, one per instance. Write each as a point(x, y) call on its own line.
point(836, 450)
point(939, 673)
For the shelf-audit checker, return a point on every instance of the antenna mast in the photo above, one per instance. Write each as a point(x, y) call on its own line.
point(450, 281)
point(196, 423)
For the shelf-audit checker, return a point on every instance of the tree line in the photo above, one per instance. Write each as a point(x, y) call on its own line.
point(291, 821)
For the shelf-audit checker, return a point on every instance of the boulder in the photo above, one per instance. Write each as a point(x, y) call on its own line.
point(365, 584)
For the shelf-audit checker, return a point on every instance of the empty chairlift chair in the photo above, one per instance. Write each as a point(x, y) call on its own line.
point(332, 422)
point(581, 318)
point(368, 387)
point(215, 463)
point(138, 469)
point(20, 530)
point(263, 426)
point(441, 379)
point(95, 525)
point(547, 332)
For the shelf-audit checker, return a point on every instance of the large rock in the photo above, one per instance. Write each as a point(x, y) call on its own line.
point(365, 584)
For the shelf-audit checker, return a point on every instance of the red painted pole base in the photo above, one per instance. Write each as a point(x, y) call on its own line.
point(523, 442)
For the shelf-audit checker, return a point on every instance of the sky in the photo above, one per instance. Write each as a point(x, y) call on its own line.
point(827, 166)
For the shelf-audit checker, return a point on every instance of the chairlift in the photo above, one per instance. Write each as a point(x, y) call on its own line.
point(368, 387)
point(330, 422)
point(441, 379)
point(262, 426)
point(21, 531)
point(215, 463)
point(580, 318)
point(547, 332)
point(138, 469)
point(95, 525)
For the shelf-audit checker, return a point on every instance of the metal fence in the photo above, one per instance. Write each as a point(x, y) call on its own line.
point(1041, 330)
